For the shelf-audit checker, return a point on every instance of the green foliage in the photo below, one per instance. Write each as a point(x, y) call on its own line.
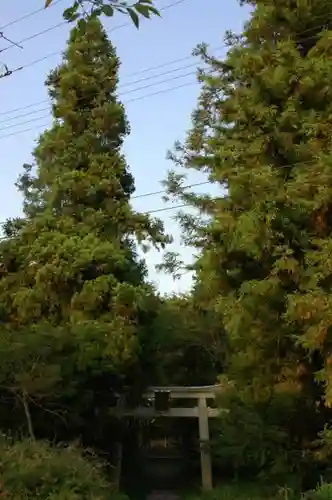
point(75, 309)
point(261, 491)
point(31, 470)
point(107, 8)
point(322, 492)
point(249, 441)
point(262, 133)
point(246, 491)
point(79, 320)
point(190, 343)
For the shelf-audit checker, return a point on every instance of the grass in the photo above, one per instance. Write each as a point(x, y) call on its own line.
point(254, 491)
point(247, 491)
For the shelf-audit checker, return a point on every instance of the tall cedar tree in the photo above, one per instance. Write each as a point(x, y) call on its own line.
point(262, 131)
point(75, 309)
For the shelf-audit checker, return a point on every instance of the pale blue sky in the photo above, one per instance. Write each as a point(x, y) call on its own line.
point(156, 120)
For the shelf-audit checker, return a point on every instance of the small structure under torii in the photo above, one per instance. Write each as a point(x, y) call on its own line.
point(160, 399)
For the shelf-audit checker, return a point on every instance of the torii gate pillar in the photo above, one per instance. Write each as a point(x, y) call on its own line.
point(202, 411)
point(204, 437)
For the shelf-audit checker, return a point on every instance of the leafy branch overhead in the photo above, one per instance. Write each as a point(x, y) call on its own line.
point(108, 8)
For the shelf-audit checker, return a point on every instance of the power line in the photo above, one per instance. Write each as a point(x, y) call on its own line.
point(188, 84)
point(130, 91)
point(223, 46)
point(24, 122)
point(52, 54)
point(163, 191)
point(4, 70)
point(191, 73)
point(203, 183)
point(136, 73)
point(151, 68)
point(36, 61)
point(2, 35)
point(189, 186)
point(148, 212)
point(27, 16)
point(161, 209)
point(166, 209)
point(137, 89)
point(127, 84)
point(35, 35)
point(42, 9)
point(63, 23)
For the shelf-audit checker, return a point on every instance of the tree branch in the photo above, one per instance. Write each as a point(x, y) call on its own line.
point(23, 399)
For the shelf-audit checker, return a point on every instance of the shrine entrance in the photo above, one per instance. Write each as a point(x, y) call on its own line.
point(160, 403)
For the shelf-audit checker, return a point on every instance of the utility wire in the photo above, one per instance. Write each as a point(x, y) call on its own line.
point(144, 87)
point(54, 3)
point(20, 68)
point(2, 35)
point(189, 186)
point(163, 191)
point(27, 16)
point(46, 124)
point(147, 212)
point(52, 54)
point(141, 88)
point(161, 209)
point(135, 73)
point(136, 89)
point(63, 23)
point(167, 209)
point(203, 183)
point(5, 71)
point(35, 35)
point(127, 84)
point(224, 46)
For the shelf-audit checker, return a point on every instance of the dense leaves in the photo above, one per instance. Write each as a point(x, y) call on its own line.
point(190, 345)
point(36, 470)
point(80, 323)
point(107, 8)
point(75, 307)
point(262, 131)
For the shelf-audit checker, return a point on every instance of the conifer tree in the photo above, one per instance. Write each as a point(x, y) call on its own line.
point(75, 308)
point(263, 131)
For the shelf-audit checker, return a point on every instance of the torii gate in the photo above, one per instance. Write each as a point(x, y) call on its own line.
point(162, 396)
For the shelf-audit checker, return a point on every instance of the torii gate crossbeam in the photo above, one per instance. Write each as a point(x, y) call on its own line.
point(202, 411)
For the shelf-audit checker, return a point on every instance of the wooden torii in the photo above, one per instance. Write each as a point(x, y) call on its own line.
point(162, 398)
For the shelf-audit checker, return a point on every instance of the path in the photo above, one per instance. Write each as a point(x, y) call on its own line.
point(163, 495)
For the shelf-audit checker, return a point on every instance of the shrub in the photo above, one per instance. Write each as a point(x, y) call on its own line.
point(322, 492)
point(246, 491)
point(37, 470)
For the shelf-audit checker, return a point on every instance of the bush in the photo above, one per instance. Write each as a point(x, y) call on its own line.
point(246, 491)
point(248, 440)
point(322, 492)
point(36, 470)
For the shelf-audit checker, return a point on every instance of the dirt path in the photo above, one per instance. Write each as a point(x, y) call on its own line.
point(162, 495)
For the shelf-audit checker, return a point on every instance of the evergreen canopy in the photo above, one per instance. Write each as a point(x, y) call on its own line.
point(74, 303)
point(263, 132)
